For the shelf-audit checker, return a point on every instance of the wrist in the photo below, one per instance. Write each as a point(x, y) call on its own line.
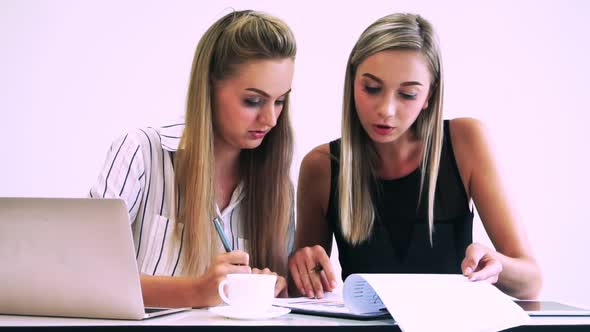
point(195, 292)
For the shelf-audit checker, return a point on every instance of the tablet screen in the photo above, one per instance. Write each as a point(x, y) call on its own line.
point(551, 308)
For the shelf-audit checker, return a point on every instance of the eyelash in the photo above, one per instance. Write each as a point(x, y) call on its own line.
point(257, 102)
point(375, 90)
point(372, 90)
point(252, 102)
point(407, 96)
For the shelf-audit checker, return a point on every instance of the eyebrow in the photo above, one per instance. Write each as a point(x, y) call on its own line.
point(263, 93)
point(410, 83)
point(373, 77)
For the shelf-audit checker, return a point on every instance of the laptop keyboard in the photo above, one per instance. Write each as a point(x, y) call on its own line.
point(152, 310)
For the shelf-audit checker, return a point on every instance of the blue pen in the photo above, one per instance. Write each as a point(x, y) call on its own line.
point(219, 230)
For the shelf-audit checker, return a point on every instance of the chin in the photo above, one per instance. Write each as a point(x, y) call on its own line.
point(251, 145)
point(385, 139)
point(382, 139)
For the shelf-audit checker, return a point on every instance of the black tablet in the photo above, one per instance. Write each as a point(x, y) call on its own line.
point(551, 308)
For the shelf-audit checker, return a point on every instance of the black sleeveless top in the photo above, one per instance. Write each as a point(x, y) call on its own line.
point(399, 241)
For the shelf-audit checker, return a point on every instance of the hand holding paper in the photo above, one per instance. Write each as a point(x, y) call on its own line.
point(481, 263)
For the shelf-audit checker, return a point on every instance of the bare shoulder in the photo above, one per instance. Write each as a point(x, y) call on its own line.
point(466, 129)
point(316, 163)
point(470, 147)
point(469, 137)
point(314, 176)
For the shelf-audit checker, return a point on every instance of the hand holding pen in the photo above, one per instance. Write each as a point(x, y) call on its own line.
point(227, 263)
point(281, 284)
point(219, 229)
point(232, 261)
point(312, 272)
point(226, 244)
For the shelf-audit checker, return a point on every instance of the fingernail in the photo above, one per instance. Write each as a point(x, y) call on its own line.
point(468, 270)
point(334, 284)
point(301, 291)
point(320, 295)
point(310, 294)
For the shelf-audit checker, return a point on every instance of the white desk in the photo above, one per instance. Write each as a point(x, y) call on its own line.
point(195, 317)
point(203, 320)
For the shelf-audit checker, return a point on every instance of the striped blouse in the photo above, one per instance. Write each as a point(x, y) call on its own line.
point(139, 169)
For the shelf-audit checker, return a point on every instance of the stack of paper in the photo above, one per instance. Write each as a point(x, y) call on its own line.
point(422, 302)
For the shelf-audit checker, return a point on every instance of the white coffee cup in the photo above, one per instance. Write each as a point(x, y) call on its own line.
point(248, 293)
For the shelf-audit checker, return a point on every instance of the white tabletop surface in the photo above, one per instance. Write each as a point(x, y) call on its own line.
point(202, 317)
point(188, 318)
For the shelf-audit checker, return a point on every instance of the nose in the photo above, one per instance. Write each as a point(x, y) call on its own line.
point(387, 107)
point(268, 115)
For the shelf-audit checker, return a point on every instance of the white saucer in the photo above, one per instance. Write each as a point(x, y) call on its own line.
point(229, 312)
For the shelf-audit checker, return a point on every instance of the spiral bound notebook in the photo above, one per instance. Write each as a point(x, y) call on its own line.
point(449, 302)
point(331, 305)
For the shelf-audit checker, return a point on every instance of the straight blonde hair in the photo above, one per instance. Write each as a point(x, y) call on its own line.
point(358, 157)
point(234, 39)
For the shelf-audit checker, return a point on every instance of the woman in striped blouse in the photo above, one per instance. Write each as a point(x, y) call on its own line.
point(230, 159)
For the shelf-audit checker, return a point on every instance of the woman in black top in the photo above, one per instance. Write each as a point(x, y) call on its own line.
point(395, 190)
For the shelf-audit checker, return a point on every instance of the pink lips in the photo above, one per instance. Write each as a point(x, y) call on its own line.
point(383, 129)
point(257, 134)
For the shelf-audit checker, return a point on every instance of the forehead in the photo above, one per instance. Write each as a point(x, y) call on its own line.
point(273, 76)
point(395, 66)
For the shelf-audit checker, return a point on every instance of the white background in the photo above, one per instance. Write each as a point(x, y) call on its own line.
point(76, 74)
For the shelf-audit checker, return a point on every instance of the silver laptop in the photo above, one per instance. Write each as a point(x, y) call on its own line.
point(69, 257)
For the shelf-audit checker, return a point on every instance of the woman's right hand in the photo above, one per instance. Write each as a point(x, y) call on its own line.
point(312, 271)
point(236, 261)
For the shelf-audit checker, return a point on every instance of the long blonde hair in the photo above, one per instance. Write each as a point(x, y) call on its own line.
point(236, 38)
point(358, 157)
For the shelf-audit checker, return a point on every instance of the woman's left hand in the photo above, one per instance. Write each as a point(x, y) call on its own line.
point(481, 263)
point(280, 286)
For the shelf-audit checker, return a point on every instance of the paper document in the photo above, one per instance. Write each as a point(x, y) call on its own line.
point(419, 302)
